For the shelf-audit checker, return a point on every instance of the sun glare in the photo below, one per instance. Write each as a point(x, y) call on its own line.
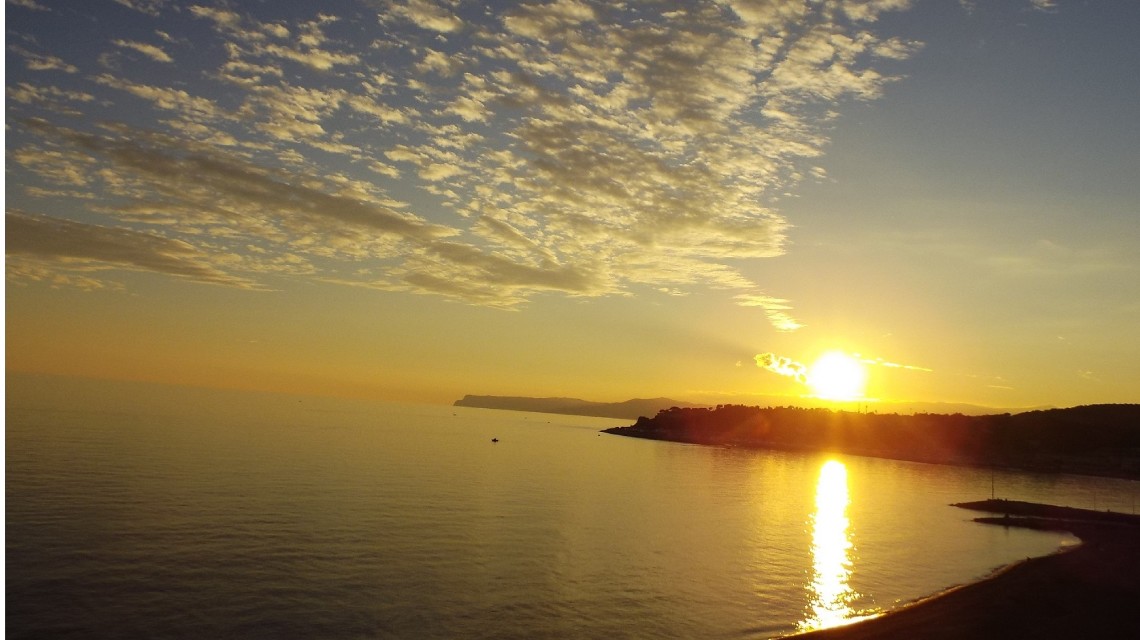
point(829, 593)
point(837, 376)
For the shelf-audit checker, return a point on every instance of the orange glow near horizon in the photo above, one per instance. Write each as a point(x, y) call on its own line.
point(837, 376)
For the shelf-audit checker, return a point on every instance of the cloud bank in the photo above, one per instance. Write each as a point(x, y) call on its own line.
point(487, 155)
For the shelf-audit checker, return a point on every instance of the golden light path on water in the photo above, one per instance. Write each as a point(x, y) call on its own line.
point(829, 593)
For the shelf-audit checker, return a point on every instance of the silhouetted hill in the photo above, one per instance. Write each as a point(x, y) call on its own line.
point(636, 408)
point(1093, 440)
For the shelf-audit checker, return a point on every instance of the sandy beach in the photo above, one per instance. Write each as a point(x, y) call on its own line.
point(1089, 591)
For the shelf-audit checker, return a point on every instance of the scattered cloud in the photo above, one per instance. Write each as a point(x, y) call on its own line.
point(28, 4)
point(67, 246)
point(775, 308)
point(149, 50)
point(316, 58)
point(783, 366)
point(43, 62)
point(428, 15)
point(149, 7)
point(42, 94)
point(879, 362)
point(575, 147)
point(222, 18)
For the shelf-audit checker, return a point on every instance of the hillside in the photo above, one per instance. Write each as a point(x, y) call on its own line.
point(1093, 440)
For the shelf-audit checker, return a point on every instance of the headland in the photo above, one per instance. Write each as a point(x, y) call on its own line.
point(1101, 440)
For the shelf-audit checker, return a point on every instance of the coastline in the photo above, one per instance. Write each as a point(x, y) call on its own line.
point(1091, 590)
point(1093, 440)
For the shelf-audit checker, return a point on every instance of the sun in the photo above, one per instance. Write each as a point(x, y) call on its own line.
point(837, 376)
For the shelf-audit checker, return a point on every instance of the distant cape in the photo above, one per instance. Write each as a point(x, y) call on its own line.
point(630, 409)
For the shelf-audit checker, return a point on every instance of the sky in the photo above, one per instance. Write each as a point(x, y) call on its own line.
point(421, 199)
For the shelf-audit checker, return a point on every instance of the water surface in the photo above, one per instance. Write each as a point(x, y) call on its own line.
point(147, 511)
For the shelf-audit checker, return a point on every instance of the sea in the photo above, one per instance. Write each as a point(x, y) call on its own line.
point(137, 510)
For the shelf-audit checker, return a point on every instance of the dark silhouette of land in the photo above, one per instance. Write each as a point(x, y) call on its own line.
point(629, 409)
point(1099, 440)
point(1049, 516)
point(1090, 591)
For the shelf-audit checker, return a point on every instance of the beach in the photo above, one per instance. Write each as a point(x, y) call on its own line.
point(1088, 591)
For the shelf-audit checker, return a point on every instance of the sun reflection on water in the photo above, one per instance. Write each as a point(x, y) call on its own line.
point(829, 594)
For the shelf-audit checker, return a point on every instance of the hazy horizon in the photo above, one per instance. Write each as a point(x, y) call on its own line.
point(415, 200)
point(39, 389)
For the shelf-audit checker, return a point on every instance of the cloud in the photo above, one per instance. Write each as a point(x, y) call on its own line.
point(149, 7)
point(440, 63)
point(775, 308)
point(428, 15)
point(222, 18)
point(43, 62)
point(463, 271)
point(869, 10)
point(439, 171)
point(783, 366)
point(55, 166)
point(312, 57)
point(208, 181)
point(148, 50)
point(28, 4)
point(179, 100)
point(31, 94)
point(74, 246)
point(879, 362)
point(489, 156)
point(543, 22)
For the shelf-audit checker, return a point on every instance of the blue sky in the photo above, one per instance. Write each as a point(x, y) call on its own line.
point(381, 191)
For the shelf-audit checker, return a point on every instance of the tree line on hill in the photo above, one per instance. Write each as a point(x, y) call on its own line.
point(1092, 439)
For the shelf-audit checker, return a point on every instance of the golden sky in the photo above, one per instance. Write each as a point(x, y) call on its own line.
point(420, 199)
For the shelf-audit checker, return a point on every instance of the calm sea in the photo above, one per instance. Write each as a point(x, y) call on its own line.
point(142, 511)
